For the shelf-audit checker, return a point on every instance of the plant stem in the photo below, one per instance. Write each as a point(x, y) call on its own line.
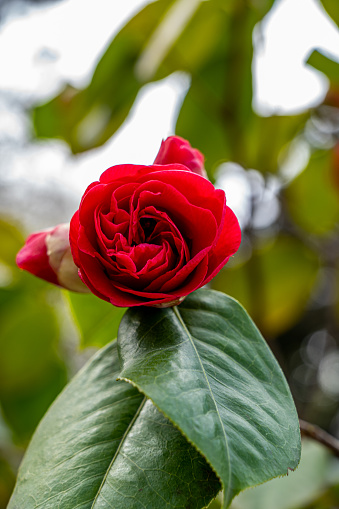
point(311, 430)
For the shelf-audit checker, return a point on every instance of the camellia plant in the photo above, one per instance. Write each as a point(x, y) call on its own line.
point(189, 400)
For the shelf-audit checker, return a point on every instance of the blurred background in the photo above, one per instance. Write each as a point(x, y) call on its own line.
point(254, 85)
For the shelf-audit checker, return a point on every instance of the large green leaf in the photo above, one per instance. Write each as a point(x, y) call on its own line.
point(103, 445)
point(206, 366)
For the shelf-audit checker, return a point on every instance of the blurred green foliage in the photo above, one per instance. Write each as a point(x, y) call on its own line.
point(275, 284)
point(7, 480)
point(286, 273)
point(97, 320)
point(32, 371)
point(316, 475)
point(314, 484)
point(331, 7)
point(325, 65)
point(312, 199)
point(212, 41)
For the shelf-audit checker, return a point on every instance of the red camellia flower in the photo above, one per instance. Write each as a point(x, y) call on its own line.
point(150, 235)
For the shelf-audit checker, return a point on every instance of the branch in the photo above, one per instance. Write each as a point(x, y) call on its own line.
point(311, 430)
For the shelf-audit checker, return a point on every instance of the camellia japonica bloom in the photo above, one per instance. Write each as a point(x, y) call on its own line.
point(143, 235)
point(150, 235)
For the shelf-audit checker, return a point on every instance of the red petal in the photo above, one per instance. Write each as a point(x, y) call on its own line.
point(73, 237)
point(33, 257)
point(228, 244)
point(188, 218)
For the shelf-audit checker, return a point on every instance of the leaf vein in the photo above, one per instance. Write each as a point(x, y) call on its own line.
point(119, 448)
point(178, 315)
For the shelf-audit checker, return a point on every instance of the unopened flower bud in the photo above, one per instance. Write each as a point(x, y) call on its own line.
point(47, 255)
point(177, 150)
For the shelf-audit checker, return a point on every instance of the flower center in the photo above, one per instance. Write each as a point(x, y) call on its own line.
point(147, 224)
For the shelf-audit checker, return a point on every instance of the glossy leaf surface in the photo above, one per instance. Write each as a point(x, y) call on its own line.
point(206, 366)
point(103, 445)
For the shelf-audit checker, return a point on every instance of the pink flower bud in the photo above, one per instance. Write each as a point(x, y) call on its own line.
point(47, 255)
point(177, 150)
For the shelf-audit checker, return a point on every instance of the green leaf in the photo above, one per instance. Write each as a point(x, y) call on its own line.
point(201, 107)
point(326, 65)
point(103, 445)
point(97, 320)
point(220, 96)
point(206, 366)
point(332, 8)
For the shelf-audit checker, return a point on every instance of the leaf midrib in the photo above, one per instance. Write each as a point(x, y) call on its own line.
point(137, 413)
point(179, 317)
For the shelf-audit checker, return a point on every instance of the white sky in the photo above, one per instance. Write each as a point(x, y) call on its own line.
point(75, 32)
point(291, 31)
point(63, 41)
